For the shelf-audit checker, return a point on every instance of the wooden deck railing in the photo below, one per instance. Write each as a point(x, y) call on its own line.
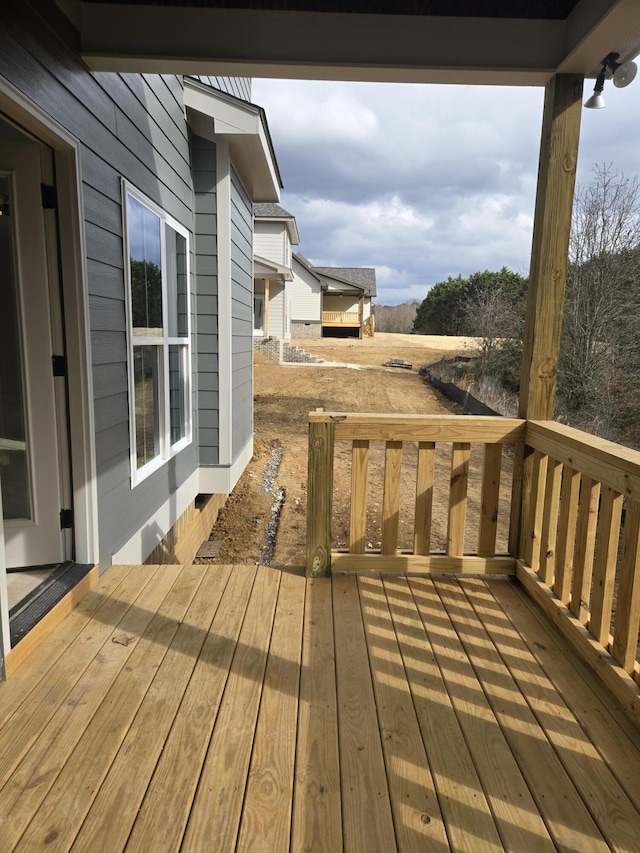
point(581, 537)
point(396, 431)
point(340, 318)
point(577, 546)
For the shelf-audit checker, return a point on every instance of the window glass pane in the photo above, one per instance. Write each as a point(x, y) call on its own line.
point(145, 371)
point(14, 466)
point(177, 397)
point(146, 269)
point(177, 283)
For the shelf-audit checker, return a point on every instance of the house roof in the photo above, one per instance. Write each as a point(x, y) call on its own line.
point(306, 263)
point(269, 210)
point(215, 115)
point(362, 277)
point(269, 269)
point(277, 213)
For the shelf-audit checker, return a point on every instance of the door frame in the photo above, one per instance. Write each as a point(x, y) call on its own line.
point(72, 260)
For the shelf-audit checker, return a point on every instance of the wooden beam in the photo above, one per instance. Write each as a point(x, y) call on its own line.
point(265, 321)
point(389, 427)
point(550, 247)
point(374, 561)
point(547, 276)
point(319, 499)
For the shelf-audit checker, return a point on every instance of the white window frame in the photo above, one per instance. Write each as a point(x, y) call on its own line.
point(166, 449)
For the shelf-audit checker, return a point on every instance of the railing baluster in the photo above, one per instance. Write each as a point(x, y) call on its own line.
point(458, 498)
point(424, 497)
point(604, 573)
point(533, 532)
point(490, 500)
point(550, 522)
point(359, 483)
point(566, 533)
point(320, 498)
point(391, 496)
point(585, 549)
point(625, 634)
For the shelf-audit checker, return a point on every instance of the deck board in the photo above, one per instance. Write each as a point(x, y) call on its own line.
point(66, 803)
point(239, 708)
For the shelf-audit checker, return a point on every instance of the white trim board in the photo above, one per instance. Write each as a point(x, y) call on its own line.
point(67, 148)
point(225, 320)
point(221, 479)
point(219, 117)
point(215, 480)
point(5, 634)
point(141, 544)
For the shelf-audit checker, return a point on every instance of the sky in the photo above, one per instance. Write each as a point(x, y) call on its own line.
point(423, 182)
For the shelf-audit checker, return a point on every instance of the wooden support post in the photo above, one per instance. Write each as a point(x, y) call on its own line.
point(549, 253)
point(266, 307)
point(319, 499)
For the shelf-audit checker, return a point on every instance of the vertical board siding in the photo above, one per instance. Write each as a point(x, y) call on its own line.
point(306, 297)
point(276, 309)
point(242, 314)
point(270, 241)
point(206, 287)
point(129, 126)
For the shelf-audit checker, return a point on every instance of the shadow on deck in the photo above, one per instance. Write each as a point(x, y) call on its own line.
point(234, 708)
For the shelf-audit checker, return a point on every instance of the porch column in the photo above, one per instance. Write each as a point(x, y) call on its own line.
point(549, 255)
point(266, 308)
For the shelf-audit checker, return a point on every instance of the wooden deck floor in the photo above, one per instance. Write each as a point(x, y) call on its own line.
point(218, 709)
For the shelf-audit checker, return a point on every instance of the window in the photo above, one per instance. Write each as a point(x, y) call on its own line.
point(158, 287)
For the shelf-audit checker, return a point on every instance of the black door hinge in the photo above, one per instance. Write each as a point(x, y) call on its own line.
point(66, 519)
point(59, 365)
point(49, 197)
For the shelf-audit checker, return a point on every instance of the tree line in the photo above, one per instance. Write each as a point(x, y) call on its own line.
point(396, 318)
point(599, 369)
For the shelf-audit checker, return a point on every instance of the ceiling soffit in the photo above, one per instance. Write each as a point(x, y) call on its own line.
point(504, 42)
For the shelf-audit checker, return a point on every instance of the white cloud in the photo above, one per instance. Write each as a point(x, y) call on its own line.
point(423, 182)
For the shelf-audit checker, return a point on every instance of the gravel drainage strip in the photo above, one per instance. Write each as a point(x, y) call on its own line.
point(268, 487)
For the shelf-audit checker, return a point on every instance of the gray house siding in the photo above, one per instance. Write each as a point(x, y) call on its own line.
point(129, 126)
point(203, 153)
point(242, 314)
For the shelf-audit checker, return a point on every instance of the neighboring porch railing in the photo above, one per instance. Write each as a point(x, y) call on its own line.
point(579, 555)
point(340, 318)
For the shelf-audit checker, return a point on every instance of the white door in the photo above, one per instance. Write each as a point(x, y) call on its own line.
point(30, 330)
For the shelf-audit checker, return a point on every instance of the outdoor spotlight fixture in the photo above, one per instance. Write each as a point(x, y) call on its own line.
point(622, 74)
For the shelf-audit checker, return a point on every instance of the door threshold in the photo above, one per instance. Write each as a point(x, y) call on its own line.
point(26, 614)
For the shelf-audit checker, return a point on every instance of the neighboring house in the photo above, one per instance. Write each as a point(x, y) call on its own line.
point(275, 232)
point(126, 235)
point(292, 298)
point(331, 301)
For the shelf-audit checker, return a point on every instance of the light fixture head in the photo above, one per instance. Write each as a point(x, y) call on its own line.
point(624, 74)
point(595, 102)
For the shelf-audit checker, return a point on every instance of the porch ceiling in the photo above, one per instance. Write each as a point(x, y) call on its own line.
point(488, 42)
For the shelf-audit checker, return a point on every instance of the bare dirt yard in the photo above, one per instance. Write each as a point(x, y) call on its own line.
point(284, 396)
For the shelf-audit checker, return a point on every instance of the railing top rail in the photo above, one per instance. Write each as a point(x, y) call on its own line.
point(605, 461)
point(393, 427)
